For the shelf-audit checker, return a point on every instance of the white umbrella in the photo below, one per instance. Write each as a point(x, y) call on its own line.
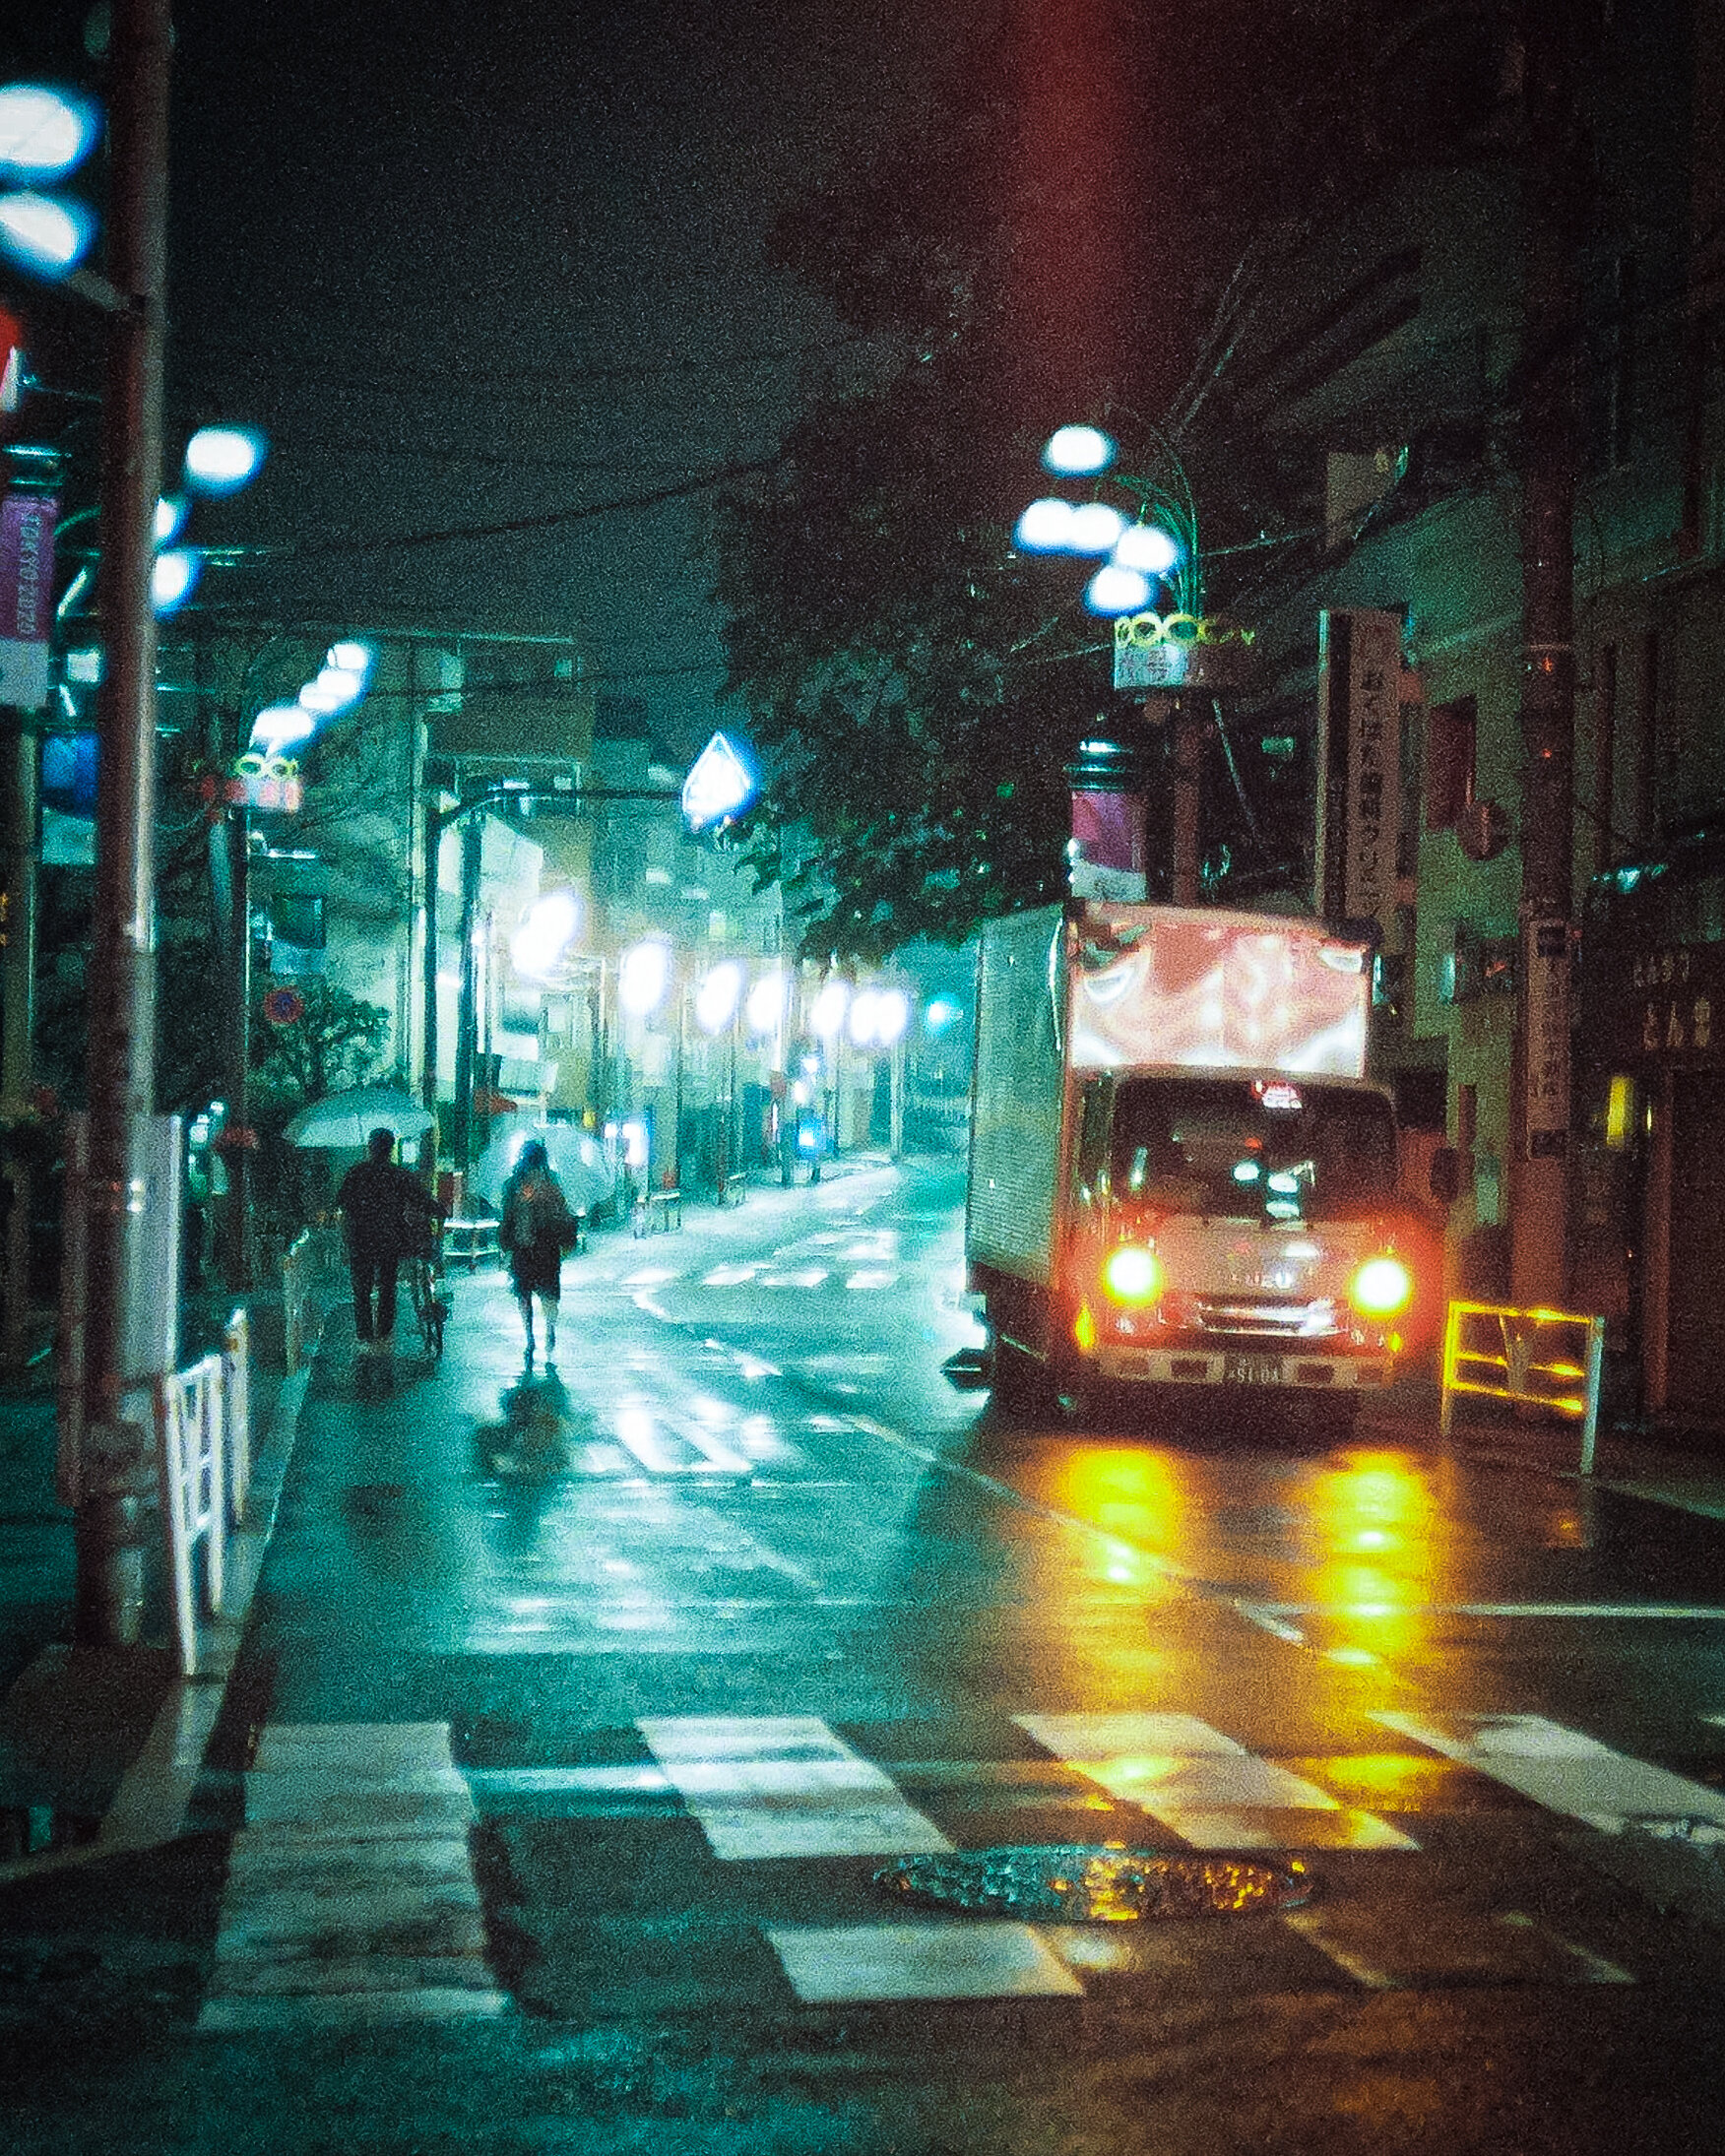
point(343, 1122)
point(576, 1155)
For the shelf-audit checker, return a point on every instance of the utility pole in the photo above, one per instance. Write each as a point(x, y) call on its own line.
point(1186, 760)
point(1556, 194)
point(230, 879)
point(20, 745)
point(116, 1463)
point(467, 1060)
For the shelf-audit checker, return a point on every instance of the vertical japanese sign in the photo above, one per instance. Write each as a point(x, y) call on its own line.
point(1545, 974)
point(27, 598)
point(1359, 752)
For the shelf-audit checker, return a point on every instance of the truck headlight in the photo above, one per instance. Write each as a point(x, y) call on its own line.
point(1382, 1287)
point(1132, 1274)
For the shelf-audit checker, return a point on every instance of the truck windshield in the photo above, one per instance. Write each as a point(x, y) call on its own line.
point(1252, 1149)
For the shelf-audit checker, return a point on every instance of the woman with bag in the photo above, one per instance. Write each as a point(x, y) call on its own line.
point(536, 1229)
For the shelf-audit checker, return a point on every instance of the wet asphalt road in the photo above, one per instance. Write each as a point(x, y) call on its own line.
point(581, 1707)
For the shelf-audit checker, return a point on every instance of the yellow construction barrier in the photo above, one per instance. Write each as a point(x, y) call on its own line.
point(1540, 1359)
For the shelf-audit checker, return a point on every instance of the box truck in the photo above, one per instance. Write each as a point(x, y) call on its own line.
point(1179, 1174)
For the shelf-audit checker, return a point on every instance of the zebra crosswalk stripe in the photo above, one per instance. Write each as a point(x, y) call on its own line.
point(766, 1786)
point(350, 1895)
point(1563, 1769)
point(778, 1786)
point(1204, 1786)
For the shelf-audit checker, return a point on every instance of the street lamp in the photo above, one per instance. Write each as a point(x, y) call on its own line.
point(45, 134)
point(1155, 549)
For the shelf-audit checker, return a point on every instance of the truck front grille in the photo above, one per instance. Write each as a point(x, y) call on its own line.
point(1256, 1317)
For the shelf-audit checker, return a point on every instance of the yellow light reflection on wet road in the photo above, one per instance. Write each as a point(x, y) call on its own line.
point(1133, 1492)
point(1372, 1517)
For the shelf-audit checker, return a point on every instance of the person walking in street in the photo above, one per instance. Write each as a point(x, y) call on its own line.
point(383, 1208)
point(536, 1229)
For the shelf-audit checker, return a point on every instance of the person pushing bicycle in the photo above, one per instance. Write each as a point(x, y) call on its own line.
point(384, 1214)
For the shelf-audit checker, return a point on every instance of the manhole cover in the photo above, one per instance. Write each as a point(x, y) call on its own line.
point(1093, 1882)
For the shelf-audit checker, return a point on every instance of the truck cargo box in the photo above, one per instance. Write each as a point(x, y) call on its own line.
point(1016, 1095)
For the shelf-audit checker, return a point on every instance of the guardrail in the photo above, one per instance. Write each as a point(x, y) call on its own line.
point(309, 1272)
point(470, 1242)
point(203, 1447)
point(659, 1211)
point(1540, 1359)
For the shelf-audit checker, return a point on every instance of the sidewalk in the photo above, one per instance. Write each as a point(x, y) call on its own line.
point(76, 1722)
point(100, 1749)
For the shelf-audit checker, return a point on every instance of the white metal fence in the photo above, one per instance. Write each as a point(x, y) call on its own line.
point(203, 1442)
point(311, 1273)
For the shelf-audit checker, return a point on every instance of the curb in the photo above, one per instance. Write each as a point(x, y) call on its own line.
point(148, 1807)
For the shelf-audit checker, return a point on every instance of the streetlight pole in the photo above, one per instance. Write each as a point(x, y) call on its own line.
point(1139, 557)
point(109, 1536)
point(1178, 508)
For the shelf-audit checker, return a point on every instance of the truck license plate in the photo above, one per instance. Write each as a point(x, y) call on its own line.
point(1251, 1369)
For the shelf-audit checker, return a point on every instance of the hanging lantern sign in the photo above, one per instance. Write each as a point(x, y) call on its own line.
point(266, 780)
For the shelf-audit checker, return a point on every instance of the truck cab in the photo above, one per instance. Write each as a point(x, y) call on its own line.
point(1238, 1229)
point(1180, 1174)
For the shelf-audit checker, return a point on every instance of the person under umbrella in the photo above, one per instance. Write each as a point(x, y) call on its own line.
point(382, 1208)
point(536, 1230)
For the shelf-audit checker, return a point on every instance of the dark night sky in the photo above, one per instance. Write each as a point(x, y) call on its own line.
point(469, 264)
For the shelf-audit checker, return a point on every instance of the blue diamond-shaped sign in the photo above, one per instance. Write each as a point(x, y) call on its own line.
point(719, 783)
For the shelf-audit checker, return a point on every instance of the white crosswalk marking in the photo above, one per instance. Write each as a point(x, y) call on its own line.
point(689, 1449)
point(1562, 1769)
point(830, 1965)
point(349, 1895)
point(1413, 1946)
point(1203, 1786)
point(766, 1786)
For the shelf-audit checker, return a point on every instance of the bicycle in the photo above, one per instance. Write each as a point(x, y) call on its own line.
point(428, 1294)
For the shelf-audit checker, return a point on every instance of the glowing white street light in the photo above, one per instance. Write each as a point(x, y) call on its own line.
point(551, 925)
point(767, 1000)
point(44, 132)
point(219, 460)
point(827, 1017)
point(892, 1015)
point(279, 726)
point(1114, 590)
point(643, 975)
point(170, 517)
point(44, 232)
point(174, 575)
point(1046, 527)
point(1078, 451)
point(878, 1017)
point(719, 783)
point(1096, 527)
point(1146, 546)
point(719, 993)
point(332, 690)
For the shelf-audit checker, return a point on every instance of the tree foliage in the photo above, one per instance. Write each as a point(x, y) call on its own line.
point(915, 685)
point(336, 1043)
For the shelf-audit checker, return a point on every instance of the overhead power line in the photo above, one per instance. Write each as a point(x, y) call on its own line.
point(552, 520)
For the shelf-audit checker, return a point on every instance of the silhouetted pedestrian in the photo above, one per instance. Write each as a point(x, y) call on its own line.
point(538, 1228)
point(382, 1208)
